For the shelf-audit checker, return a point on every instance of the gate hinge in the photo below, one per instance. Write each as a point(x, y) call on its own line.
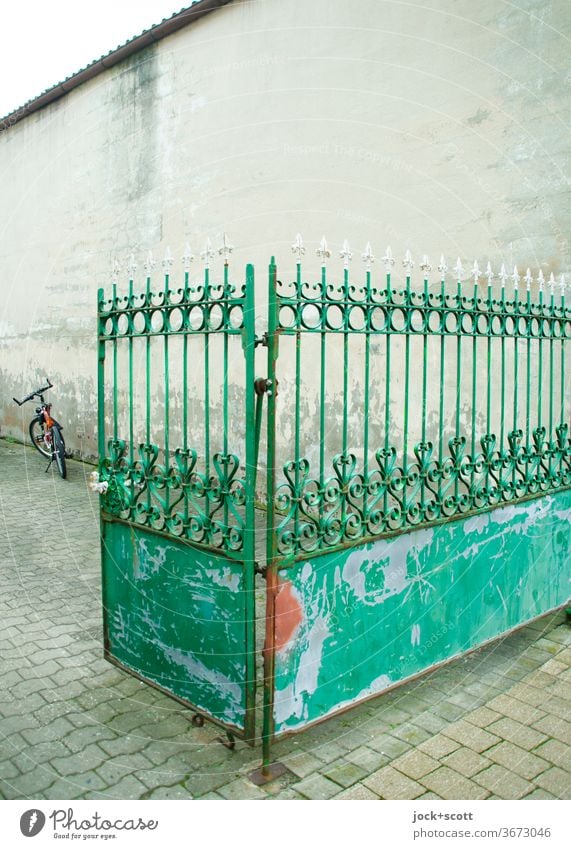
point(262, 385)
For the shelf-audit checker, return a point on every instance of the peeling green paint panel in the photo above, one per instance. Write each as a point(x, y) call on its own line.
point(349, 624)
point(175, 615)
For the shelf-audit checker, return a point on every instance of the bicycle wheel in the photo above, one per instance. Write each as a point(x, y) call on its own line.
point(37, 434)
point(59, 451)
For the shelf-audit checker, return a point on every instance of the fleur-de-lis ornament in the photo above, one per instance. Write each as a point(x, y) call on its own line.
point(442, 268)
point(425, 266)
point(225, 248)
point(459, 269)
point(388, 260)
point(489, 273)
point(476, 271)
point(368, 257)
point(207, 253)
point(187, 257)
point(541, 280)
point(503, 275)
point(346, 254)
point(515, 278)
point(168, 260)
point(562, 285)
point(528, 280)
point(131, 266)
point(552, 283)
point(323, 251)
point(115, 271)
point(408, 263)
point(150, 263)
point(298, 248)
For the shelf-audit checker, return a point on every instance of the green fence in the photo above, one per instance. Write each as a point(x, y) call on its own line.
point(416, 461)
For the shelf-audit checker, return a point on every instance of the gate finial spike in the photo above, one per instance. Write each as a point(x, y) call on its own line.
point(443, 268)
point(552, 282)
point(476, 271)
point(503, 275)
point(459, 269)
point(367, 256)
point(562, 285)
point(226, 248)
point(149, 263)
point(207, 253)
point(115, 271)
point(425, 266)
point(323, 251)
point(541, 280)
point(298, 248)
point(346, 254)
point(408, 262)
point(187, 256)
point(515, 278)
point(528, 279)
point(489, 273)
point(131, 266)
point(388, 259)
point(168, 260)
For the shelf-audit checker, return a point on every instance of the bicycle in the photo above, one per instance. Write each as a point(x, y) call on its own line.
point(45, 431)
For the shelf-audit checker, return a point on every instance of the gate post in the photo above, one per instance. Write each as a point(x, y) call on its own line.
point(267, 773)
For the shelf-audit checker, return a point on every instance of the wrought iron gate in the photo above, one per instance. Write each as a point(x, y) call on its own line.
point(418, 481)
point(177, 471)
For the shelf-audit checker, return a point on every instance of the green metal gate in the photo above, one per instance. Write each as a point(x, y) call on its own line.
point(177, 474)
point(417, 471)
point(419, 499)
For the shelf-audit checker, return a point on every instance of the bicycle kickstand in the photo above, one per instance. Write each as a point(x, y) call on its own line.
point(49, 464)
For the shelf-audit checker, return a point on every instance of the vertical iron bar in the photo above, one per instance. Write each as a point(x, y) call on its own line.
point(185, 377)
point(458, 377)
point(131, 412)
point(387, 388)
point(366, 398)
point(207, 382)
point(251, 461)
point(442, 387)
point(225, 327)
point(297, 423)
point(503, 367)
point(322, 383)
point(406, 390)
point(166, 448)
point(540, 361)
point(100, 378)
point(115, 412)
point(528, 374)
point(474, 387)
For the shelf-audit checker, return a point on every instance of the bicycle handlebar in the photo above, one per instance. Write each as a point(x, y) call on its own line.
point(36, 392)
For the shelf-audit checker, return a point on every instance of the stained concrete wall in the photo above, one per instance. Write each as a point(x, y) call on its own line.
point(440, 129)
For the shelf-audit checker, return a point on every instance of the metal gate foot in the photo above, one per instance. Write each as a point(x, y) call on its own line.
point(229, 742)
point(197, 720)
point(262, 776)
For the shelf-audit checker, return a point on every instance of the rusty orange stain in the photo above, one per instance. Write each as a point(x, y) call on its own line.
point(288, 614)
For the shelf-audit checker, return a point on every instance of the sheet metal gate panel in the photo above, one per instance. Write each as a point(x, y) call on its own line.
point(176, 442)
point(418, 480)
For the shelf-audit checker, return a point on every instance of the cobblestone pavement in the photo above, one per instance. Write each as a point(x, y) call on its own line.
point(492, 725)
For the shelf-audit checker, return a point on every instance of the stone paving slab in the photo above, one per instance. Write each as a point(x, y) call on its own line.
point(494, 724)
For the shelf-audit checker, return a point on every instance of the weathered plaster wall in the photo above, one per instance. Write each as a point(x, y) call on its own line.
point(441, 129)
